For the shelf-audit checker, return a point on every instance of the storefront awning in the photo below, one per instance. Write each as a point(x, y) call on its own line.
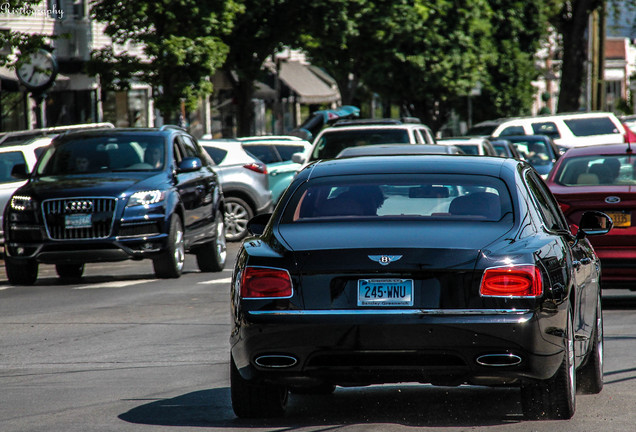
point(306, 84)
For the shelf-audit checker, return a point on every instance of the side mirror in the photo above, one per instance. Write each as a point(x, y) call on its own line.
point(298, 158)
point(190, 164)
point(256, 225)
point(20, 172)
point(594, 223)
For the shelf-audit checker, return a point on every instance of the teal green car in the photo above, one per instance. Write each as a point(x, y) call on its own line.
point(276, 153)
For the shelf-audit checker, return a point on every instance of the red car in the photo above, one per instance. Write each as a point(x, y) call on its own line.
point(602, 178)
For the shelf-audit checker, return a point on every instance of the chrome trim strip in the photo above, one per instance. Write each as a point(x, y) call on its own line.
point(442, 312)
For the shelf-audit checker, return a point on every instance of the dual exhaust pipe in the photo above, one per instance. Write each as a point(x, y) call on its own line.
point(276, 361)
point(498, 360)
point(279, 361)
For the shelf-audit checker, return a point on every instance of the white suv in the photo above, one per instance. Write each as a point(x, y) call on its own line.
point(351, 133)
point(567, 130)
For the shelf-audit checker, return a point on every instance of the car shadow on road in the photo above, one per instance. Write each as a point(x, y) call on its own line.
point(409, 405)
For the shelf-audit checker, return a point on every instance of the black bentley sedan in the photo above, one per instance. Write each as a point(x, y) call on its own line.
point(116, 194)
point(435, 269)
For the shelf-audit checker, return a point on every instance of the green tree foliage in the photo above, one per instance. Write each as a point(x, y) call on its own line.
point(421, 54)
point(264, 28)
point(181, 42)
point(519, 28)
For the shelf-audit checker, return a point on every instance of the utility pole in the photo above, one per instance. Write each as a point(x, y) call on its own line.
point(596, 55)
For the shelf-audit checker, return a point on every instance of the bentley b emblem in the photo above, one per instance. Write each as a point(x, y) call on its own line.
point(384, 259)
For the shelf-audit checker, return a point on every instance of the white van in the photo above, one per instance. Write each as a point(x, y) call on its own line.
point(567, 130)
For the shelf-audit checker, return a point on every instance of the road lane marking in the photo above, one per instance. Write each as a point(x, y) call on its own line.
point(114, 284)
point(215, 281)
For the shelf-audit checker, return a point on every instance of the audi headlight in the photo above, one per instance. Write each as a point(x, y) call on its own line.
point(146, 198)
point(22, 203)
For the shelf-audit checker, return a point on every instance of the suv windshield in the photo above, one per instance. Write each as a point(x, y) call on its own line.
point(103, 153)
point(330, 144)
point(592, 126)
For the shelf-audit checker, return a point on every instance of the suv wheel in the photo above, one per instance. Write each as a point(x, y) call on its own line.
point(211, 256)
point(21, 272)
point(169, 264)
point(237, 215)
point(69, 271)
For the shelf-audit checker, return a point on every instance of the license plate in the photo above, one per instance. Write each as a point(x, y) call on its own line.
point(621, 220)
point(78, 221)
point(385, 292)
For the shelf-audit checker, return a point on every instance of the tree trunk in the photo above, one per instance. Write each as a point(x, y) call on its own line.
point(573, 28)
point(244, 93)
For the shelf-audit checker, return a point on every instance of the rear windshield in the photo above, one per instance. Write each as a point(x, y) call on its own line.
point(103, 154)
point(592, 126)
point(471, 149)
point(440, 196)
point(485, 130)
point(332, 143)
point(597, 170)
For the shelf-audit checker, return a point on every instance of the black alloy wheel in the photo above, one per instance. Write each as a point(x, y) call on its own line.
point(69, 271)
point(590, 375)
point(212, 256)
point(250, 400)
point(554, 398)
point(21, 272)
point(169, 265)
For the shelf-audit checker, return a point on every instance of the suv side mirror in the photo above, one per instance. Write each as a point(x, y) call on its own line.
point(20, 172)
point(594, 223)
point(298, 158)
point(190, 164)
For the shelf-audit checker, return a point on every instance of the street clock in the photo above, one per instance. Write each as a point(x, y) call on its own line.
point(37, 71)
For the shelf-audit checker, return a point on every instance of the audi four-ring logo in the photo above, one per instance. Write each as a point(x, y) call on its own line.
point(79, 206)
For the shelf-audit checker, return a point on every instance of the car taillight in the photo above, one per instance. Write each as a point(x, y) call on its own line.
point(256, 167)
point(264, 282)
point(513, 281)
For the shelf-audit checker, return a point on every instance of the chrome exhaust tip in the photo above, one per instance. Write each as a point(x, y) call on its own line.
point(276, 361)
point(498, 360)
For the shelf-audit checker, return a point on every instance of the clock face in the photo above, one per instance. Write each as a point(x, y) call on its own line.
point(38, 70)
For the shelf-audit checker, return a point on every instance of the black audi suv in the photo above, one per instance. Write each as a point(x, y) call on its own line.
point(112, 195)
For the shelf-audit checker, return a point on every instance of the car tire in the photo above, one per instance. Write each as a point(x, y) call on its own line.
point(212, 256)
point(590, 375)
point(69, 271)
point(169, 265)
point(237, 215)
point(251, 400)
point(554, 398)
point(21, 272)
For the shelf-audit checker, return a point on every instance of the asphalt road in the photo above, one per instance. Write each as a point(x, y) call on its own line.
point(122, 351)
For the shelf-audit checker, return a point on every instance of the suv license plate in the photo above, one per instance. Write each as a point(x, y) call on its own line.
point(78, 221)
point(385, 292)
